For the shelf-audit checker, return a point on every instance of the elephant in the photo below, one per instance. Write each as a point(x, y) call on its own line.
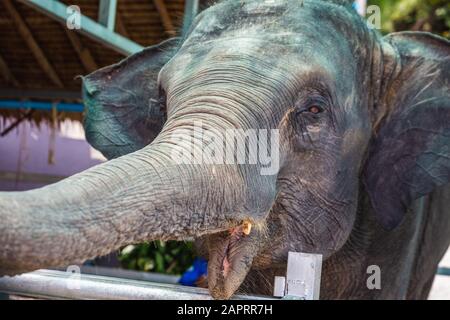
point(363, 124)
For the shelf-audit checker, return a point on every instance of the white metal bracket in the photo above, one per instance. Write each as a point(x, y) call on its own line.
point(302, 281)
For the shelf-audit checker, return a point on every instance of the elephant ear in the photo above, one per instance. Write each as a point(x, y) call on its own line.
point(123, 109)
point(410, 154)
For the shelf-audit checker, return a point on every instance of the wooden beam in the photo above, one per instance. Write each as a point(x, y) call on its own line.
point(107, 13)
point(120, 26)
point(41, 94)
point(25, 116)
point(84, 54)
point(165, 17)
point(7, 74)
point(32, 44)
point(58, 11)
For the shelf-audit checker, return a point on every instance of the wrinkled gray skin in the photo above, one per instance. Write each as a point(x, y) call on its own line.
point(364, 181)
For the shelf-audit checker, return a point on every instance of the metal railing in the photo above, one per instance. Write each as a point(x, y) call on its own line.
point(50, 284)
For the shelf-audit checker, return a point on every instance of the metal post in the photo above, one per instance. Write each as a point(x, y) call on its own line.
point(279, 287)
point(107, 13)
point(302, 281)
point(41, 105)
point(90, 28)
point(191, 8)
point(303, 275)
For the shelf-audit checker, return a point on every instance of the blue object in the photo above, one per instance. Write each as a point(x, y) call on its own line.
point(39, 105)
point(194, 273)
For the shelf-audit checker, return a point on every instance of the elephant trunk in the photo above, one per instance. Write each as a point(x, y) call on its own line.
point(139, 197)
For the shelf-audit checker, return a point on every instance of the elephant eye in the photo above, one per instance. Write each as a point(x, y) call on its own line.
point(315, 109)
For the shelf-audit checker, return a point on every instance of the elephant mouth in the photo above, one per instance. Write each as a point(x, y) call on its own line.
point(231, 255)
point(228, 248)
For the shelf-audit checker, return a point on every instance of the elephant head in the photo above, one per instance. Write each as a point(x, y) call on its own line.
point(352, 112)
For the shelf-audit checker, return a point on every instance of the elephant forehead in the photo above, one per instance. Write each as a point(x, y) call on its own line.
point(239, 45)
point(271, 26)
point(266, 17)
point(241, 58)
point(210, 30)
point(237, 12)
point(243, 54)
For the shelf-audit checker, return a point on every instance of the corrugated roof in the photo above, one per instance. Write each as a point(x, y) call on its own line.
point(139, 20)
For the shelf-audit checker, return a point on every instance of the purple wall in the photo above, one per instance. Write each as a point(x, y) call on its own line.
point(25, 150)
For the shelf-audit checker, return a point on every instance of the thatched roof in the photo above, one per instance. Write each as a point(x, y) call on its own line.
point(22, 75)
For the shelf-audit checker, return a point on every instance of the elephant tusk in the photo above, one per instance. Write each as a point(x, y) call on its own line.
point(246, 227)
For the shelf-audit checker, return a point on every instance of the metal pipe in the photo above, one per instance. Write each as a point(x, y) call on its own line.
point(443, 271)
point(51, 284)
point(129, 274)
point(85, 25)
point(191, 8)
point(40, 105)
point(107, 10)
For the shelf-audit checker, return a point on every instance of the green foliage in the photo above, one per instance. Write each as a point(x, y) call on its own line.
point(164, 257)
point(415, 15)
